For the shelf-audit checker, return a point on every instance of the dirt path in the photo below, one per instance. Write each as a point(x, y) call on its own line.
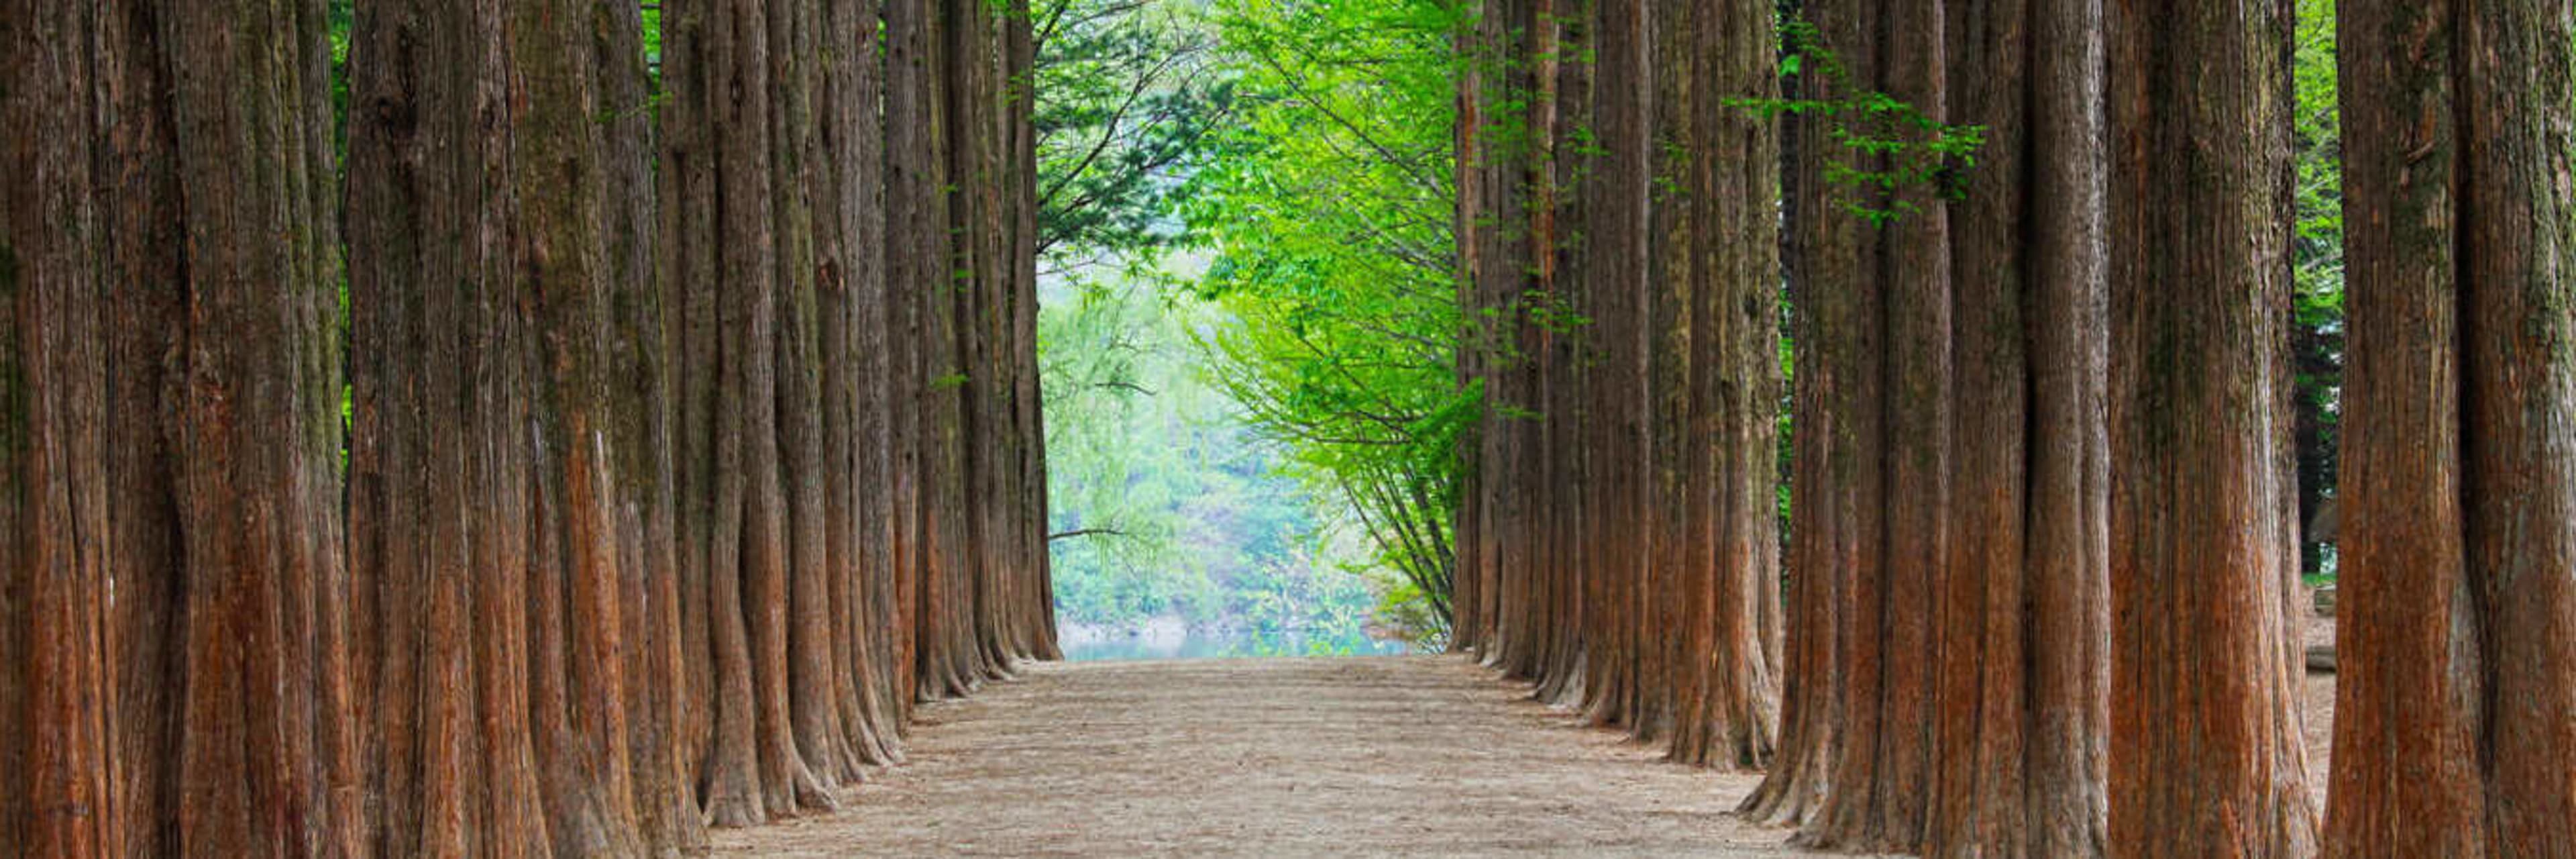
point(1393, 755)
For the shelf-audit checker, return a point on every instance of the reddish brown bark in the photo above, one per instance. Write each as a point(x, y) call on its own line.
point(2205, 753)
point(850, 275)
point(738, 252)
point(2456, 702)
point(1616, 239)
point(1728, 543)
point(1963, 653)
point(623, 516)
point(58, 674)
point(1874, 473)
point(504, 725)
point(639, 441)
point(1611, 378)
point(267, 762)
point(178, 679)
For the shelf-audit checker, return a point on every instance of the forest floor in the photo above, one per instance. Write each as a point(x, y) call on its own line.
point(1418, 755)
point(1409, 755)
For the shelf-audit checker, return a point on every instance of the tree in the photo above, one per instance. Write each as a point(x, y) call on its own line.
point(2456, 707)
point(2205, 753)
point(1621, 263)
point(178, 672)
point(1951, 698)
point(57, 797)
point(639, 433)
point(573, 525)
point(1127, 99)
point(504, 720)
point(1874, 305)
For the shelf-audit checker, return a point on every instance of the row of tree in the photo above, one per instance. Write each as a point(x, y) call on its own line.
point(667, 432)
point(2042, 568)
point(1617, 234)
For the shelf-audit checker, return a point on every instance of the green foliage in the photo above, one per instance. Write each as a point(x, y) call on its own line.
point(1163, 503)
point(1329, 208)
point(1888, 145)
point(1183, 501)
point(2316, 254)
point(1125, 97)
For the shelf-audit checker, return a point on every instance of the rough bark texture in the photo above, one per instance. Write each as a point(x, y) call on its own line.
point(624, 503)
point(1950, 604)
point(58, 678)
point(2205, 755)
point(2456, 701)
point(1617, 536)
point(178, 679)
point(1879, 298)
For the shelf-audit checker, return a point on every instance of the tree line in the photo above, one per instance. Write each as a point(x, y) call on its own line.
point(2041, 574)
point(588, 450)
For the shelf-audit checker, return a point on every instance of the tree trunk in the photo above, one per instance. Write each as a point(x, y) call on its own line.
point(59, 677)
point(2024, 612)
point(1966, 651)
point(1033, 598)
point(267, 755)
point(850, 268)
point(1616, 541)
point(633, 524)
point(166, 261)
point(2456, 694)
point(1612, 351)
point(735, 238)
point(1729, 559)
point(503, 525)
point(1874, 474)
point(2205, 754)
point(147, 262)
point(639, 435)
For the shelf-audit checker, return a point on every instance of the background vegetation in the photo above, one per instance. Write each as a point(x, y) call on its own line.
point(1249, 322)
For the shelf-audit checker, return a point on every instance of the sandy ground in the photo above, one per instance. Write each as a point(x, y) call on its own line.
point(1414, 756)
point(2318, 720)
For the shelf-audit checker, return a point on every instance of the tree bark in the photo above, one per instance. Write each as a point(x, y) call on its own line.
point(59, 677)
point(2205, 753)
point(626, 535)
point(639, 435)
point(2456, 694)
point(1729, 541)
point(1965, 652)
point(178, 672)
point(734, 236)
point(267, 761)
point(481, 289)
point(1616, 542)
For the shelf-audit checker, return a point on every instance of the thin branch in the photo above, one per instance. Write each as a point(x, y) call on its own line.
point(1088, 532)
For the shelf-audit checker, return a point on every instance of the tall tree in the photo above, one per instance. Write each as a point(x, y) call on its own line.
point(500, 735)
point(2456, 707)
point(620, 534)
point(850, 277)
point(1874, 307)
point(1621, 252)
point(175, 631)
point(58, 677)
point(2023, 604)
point(722, 238)
point(237, 674)
point(1951, 700)
point(639, 438)
point(2205, 753)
